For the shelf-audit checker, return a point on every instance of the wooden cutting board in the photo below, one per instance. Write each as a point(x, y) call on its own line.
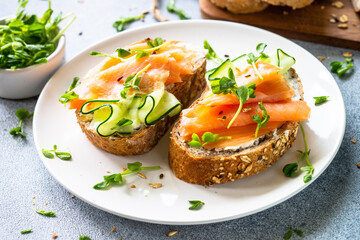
point(309, 24)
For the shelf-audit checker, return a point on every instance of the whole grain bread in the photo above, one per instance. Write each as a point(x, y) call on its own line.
point(145, 138)
point(208, 167)
point(241, 6)
point(291, 3)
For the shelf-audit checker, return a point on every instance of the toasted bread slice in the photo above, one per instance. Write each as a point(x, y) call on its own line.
point(145, 138)
point(241, 6)
point(208, 167)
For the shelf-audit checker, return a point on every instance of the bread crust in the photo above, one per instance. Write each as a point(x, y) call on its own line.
point(241, 6)
point(291, 3)
point(208, 167)
point(144, 139)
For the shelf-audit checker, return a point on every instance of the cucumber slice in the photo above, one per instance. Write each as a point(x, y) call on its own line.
point(157, 105)
point(221, 71)
point(283, 60)
point(241, 62)
point(107, 113)
point(208, 73)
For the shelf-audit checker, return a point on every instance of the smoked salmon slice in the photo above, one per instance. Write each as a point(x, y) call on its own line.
point(202, 118)
point(168, 65)
point(268, 91)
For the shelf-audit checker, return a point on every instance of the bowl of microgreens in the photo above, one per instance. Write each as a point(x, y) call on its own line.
point(32, 48)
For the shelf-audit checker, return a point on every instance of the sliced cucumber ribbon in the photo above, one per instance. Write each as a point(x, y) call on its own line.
point(157, 105)
point(135, 109)
point(279, 58)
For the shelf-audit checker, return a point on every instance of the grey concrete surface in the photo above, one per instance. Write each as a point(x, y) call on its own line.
point(328, 209)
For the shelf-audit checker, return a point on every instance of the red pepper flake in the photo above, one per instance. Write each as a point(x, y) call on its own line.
point(221, 112)
point(54, 235)
point(353, 140)
point(119, 79)
point(358, 165)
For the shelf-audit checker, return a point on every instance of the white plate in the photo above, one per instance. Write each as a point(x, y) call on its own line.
point(54, 124)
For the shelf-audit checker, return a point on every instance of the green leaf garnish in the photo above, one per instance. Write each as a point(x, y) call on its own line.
point(99, 54)
point(157, 42)
point(252, 58)
point(195, 204)
point(62, 155)
point(122, 53)
point(26, 231)
point(337, 67)
point(26, 40)
point(227, 85)
point(83, 237)
point(320, 100)
point(48, 214)
point(69, 94)
point(120, 24)
point(171, 8)
point(22, 114)
point(261, 121)
point(140, 53)
point(206, 138)
point(211, 53)
point(289, 169)
point(118, 177)
point(289, 234)
point(133, 81)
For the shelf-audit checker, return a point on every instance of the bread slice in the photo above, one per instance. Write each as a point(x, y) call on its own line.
point(291, 3)
point(208, 167)
point(145, 138)
point(241, 6)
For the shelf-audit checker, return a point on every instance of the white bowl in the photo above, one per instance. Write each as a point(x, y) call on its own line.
point(28, 82)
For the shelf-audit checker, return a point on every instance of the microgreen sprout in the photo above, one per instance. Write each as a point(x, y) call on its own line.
point(118, 177)
point(26, 231)
point(120, 24)
point(195, 204)
point(227, 84)
point(290, 169)
point(69, 94)
point(157, 42)
point(252, 58)
point(206, 138)
point(320, 100)
point(26, 40)
point(22, 114)
point(140, 53)
point(243, 93)
point(48, 214)
point(261, 121)
point(337, 67)
point(211, 53)
point(171, 8)
point(133, 81)
point(84, 237)
point(62, 155)
point(288, 234)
